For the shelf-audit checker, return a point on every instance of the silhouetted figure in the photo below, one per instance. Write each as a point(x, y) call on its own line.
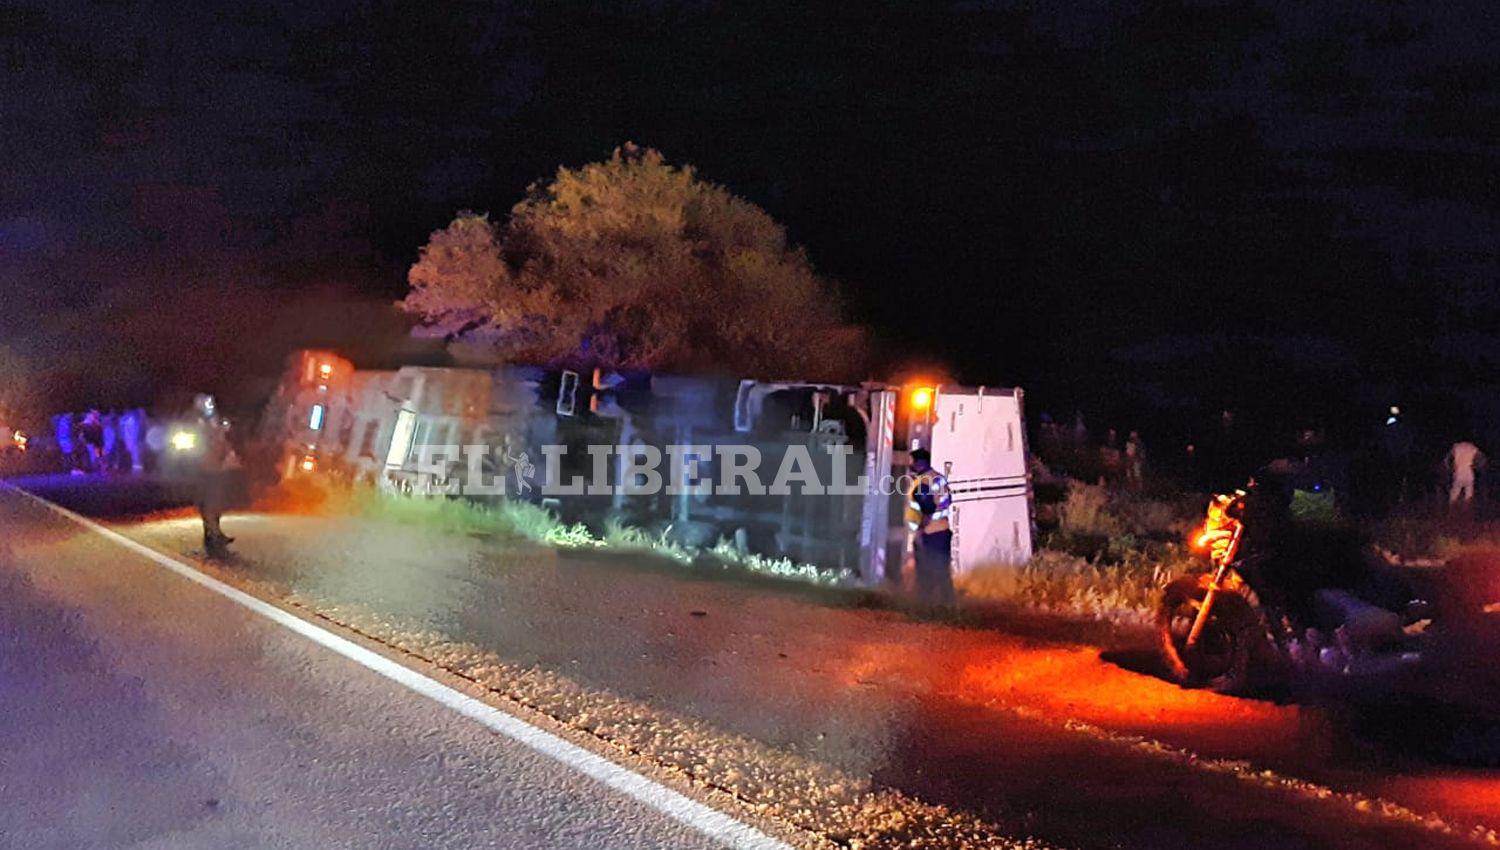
point(214, 476)
point(91, 434)
point(132, 430)
point(1135, 461)
point(62, 430)
point(1395, 442)
point(110, 422)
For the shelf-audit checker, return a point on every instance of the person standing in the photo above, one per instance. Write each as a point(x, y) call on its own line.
point(928, 503)
point(1111, 462)
point(111, 424)
point(62, 431)
point(1080, 430)
point(132, 429)
point(216, 463)
point(1463, 461)
point(1135, 462)
point(91, 433)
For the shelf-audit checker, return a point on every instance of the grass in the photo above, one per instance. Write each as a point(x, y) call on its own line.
point(519, 520)
point(1085, 512)
point(730, 555)
point(1107, 561)
point(1124, 592)
point(453, 516)
point(624, 538)
point(1431, 533)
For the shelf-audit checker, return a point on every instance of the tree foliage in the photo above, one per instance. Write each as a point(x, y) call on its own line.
point(634, 263)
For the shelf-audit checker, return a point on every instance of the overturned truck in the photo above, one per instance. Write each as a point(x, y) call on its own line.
point(802, 470)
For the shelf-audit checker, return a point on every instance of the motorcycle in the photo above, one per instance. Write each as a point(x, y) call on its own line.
point(1279, 595)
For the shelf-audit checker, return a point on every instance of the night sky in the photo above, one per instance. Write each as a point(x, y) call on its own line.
point(1148, 211)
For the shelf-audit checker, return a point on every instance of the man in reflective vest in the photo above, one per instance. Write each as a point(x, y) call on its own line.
point(928, 504)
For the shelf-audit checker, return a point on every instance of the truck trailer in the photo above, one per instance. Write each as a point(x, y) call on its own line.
point(387, 429)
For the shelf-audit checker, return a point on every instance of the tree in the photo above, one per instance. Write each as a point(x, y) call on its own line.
point(634, 263)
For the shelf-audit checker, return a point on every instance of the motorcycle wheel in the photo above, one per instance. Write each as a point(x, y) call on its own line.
point(1220, 660)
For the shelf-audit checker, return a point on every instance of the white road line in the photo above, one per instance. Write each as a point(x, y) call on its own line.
point(711, 822)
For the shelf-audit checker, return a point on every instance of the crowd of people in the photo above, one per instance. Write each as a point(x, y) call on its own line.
point(130, 442)
point(1115, 461)
point(1369, 477)
point(95, 442)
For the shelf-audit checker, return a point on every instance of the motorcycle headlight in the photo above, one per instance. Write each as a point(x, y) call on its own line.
point(184, 441)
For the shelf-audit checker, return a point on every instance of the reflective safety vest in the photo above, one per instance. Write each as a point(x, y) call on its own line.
point(928, 495)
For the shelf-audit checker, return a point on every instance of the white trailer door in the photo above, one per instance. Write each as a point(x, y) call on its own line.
point(979, 442)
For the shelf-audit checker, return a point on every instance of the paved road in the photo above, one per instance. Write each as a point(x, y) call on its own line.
point(843, 720)
point(142, 710)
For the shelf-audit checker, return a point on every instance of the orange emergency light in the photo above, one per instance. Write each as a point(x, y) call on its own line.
point(921, 398)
